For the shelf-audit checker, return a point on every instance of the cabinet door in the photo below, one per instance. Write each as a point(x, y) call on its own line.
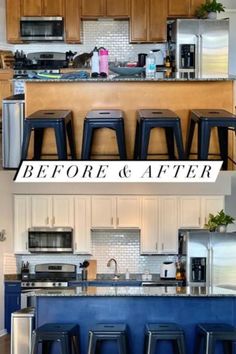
point(190, 212)
point(22, 217)
point(128, 212)
point(157, 21)
point(31, 7)
point(41, 210)
point(138, 20)
point(52, 7)
point(149, 225)
point(63, 211)
point(116, 8)
point(211, 204)
point(179, 8)
point(168, 240)
point(12, 304)
point(13, 13)
point(103, 212)
point(93, 9)
point(82, 232)
point(72, 21)
point(194, 4)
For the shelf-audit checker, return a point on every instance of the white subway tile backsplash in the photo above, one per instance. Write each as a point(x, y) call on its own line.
point(113, 35)
point(124, 246)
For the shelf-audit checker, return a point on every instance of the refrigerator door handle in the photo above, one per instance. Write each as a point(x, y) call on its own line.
point(209, 275)
point(200, 54)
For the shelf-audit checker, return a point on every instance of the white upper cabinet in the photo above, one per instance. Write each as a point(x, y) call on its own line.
point(22, 221)
point(128, 212)
point(168, 238)
point(149, 225)
point(82, 231)
point(211, 204)
point(63, 210)
point(51, 211)
point(190, 212)
point(41, 210)
point(110, 212)
point(103, 212)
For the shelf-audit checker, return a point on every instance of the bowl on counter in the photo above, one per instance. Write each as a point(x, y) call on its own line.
point(126, 70)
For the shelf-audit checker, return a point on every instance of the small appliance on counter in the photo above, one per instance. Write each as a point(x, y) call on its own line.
point(168, 270)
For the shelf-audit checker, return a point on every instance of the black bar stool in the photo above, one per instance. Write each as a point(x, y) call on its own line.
point(107, 118)
point(207, 119)
point(102, 332)
point(67, 334)
point(164, 332)
point(208, 334)
point(60, 121)
point(148, 119)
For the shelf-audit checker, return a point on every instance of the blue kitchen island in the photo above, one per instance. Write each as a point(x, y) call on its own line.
point(137, 306)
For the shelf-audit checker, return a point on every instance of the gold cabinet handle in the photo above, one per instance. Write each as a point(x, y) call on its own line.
point(111, 221)
point(117, 221)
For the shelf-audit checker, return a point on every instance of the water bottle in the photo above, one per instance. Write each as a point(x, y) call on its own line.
point(150, 65)
point(103, 60)
point(95, 61)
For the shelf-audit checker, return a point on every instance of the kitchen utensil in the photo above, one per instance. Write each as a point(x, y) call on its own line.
point(142, 59)
point(168, 270)
point(126, 71)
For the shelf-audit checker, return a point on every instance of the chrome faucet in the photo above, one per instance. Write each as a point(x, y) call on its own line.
point(116, 276)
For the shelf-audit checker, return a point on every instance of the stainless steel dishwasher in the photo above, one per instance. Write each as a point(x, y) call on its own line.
point(13, 113)
point(22, 325)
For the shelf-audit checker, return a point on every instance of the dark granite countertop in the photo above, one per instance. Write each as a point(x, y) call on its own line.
point(126, 291)
point(160, 76)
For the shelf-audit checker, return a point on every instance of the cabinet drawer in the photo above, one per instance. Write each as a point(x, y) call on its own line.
point(12, 287)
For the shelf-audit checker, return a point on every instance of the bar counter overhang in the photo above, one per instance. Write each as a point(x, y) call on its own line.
point(180, 94)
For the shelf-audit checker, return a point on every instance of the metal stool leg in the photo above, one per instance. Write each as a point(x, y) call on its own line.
point(223, 142)
point(190, 133)
point(122, 344)
point(26, 140)
point(228, 347)
point(71, 139)
point(198, 343)
point(136, 143)
point(120, 136)
point(144, 141)
point(92, 343)
point(46, 347)
point(170, 143)
point(179, 140)
point(87, 141)
point(203, 140)
point(33, 344)
point(181, 344)
point(38, 143)
point(60, 134)
point(209, 345)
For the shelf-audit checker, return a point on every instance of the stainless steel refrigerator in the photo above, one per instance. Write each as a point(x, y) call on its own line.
point(210, 258)
point(200, 46)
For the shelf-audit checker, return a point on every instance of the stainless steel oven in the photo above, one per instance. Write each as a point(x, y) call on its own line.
point(50, 239)
point(42, 29)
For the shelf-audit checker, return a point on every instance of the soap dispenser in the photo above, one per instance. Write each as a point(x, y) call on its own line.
point(95, 61)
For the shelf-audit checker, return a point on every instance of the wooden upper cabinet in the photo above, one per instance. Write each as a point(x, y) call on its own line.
point(53, 8)
point(194, 4)
point(72, 21)
point(92, 8)
point(31, 7)
point(157, 21)
point(148, 20)
point(42, 7)
point(117, 9)
point(179, 8)
point(13, 21)
point(139, 21)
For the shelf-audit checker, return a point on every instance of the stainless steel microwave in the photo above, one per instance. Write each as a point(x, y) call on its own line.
point(42, 28)
point(50, 239)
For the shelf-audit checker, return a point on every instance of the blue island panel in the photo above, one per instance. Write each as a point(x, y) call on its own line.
point(135, 312)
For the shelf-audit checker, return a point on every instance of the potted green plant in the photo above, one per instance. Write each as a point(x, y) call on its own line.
point(219, 222)
point(209, 9)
